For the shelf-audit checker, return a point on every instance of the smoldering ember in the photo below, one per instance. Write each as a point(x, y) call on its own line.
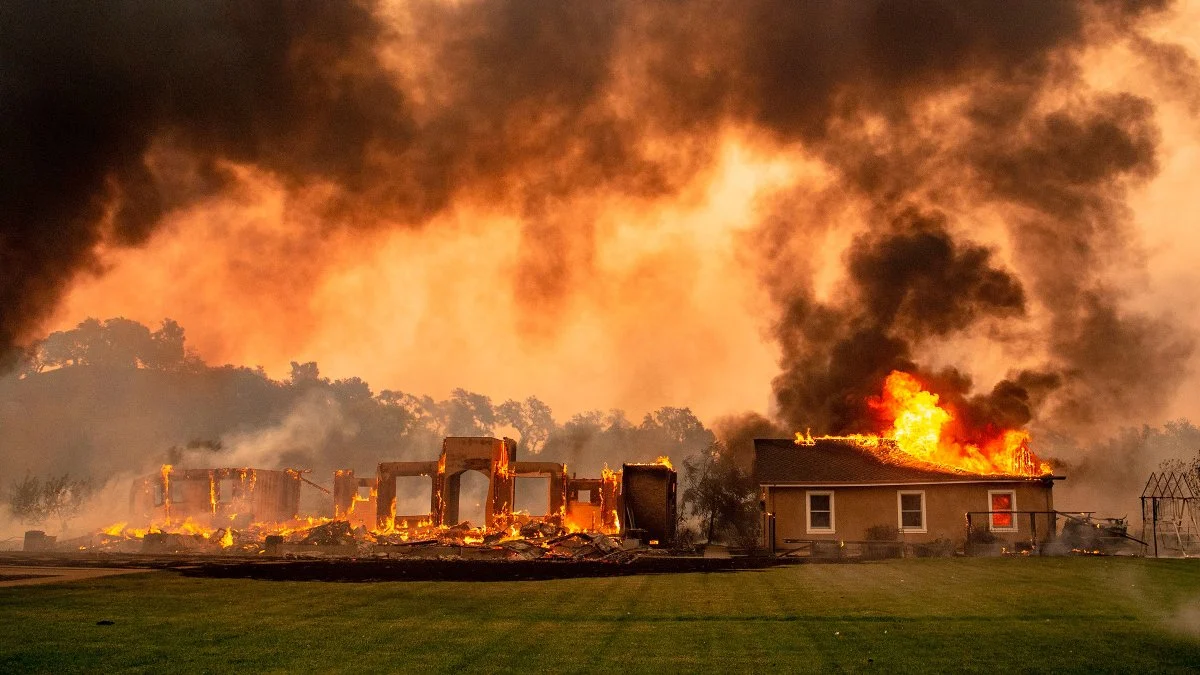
point(762, 335)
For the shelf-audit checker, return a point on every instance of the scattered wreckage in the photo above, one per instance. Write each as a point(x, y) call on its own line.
point(255, 512)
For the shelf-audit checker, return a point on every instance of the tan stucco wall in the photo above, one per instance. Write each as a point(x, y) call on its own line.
point(946, 505)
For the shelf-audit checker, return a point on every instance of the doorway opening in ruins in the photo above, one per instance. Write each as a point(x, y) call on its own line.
point(533, 495)
point(225, 491)
point(413, 494)
point(472, 497)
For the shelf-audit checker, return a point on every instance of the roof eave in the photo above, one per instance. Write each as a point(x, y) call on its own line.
point(965, 480)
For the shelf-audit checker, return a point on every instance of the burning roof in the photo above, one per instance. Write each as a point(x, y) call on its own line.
point(848, 460)
point(923, 436)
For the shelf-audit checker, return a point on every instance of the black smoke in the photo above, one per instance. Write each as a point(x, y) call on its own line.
point(114, 115)
point(910, 282)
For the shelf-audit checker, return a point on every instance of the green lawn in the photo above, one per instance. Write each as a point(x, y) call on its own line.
point(1097, 614)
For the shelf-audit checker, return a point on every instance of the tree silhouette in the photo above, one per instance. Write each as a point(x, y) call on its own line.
point(531, 418)
point(719, 494)
point(34, 500)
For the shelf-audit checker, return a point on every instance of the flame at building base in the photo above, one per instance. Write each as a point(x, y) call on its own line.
point(921, 433)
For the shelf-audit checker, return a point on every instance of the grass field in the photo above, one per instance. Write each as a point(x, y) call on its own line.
point(1097, 614)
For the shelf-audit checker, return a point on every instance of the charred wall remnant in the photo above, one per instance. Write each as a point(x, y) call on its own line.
point(648, 492)
point(493, 457)
point(385, 501)
point(254, 495)
point(37, 541)
point(598, 511)
point(557, 473)
point(349, 501)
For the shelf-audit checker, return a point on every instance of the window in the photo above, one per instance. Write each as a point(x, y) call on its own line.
point(173, 493)
point(819, 506)
point(911, 504)
point(1002, 504)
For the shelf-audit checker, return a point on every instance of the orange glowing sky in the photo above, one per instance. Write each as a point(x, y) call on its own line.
point(670, 311)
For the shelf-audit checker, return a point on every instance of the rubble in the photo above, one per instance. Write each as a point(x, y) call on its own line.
point(252, 512)
point(337, 532)
point(582, 545)
point(336, 538)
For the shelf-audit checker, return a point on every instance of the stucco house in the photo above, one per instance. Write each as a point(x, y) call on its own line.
point(836, 489)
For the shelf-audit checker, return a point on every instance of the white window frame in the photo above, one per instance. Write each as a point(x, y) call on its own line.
point(1013, 509)
point(808, 528)
point(900, 512)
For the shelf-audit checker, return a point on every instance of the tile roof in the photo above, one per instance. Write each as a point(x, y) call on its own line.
point(779, 461)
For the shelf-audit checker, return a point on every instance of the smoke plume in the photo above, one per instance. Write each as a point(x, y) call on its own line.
point(978, 181)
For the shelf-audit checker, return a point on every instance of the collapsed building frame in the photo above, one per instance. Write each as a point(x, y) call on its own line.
point(639, 501)
point(586, 504)
point(251, 495)
point(493, 457)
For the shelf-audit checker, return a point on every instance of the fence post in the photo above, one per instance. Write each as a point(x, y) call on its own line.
point(1154, 522)
point(1033, 532)
point(967, 543)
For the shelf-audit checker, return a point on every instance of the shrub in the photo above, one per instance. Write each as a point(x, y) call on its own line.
point(882, 542)
point(685, 539)
point(981, 535)
point(938, 548)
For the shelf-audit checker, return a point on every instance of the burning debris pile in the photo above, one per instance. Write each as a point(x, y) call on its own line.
point(249, 511)
point(327, 537)
point(924, 433)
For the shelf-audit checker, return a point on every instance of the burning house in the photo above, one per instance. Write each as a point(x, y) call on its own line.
point(842, 489)
point(924, 479)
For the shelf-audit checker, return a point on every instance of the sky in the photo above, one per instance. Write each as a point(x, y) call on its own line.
point(471, 221)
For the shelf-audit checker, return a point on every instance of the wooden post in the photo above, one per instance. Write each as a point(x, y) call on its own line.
point(967, 543)
point(1154, 522)
point(771, 530)
point(1143, 522)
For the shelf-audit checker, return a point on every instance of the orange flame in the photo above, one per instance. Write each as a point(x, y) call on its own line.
point(166, 487)
point(922, 429)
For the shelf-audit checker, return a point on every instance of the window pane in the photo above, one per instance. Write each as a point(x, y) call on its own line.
point(1002, 501)
point(910, 502)
point(818, 502)
point(911, 518)
point(820, 519)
